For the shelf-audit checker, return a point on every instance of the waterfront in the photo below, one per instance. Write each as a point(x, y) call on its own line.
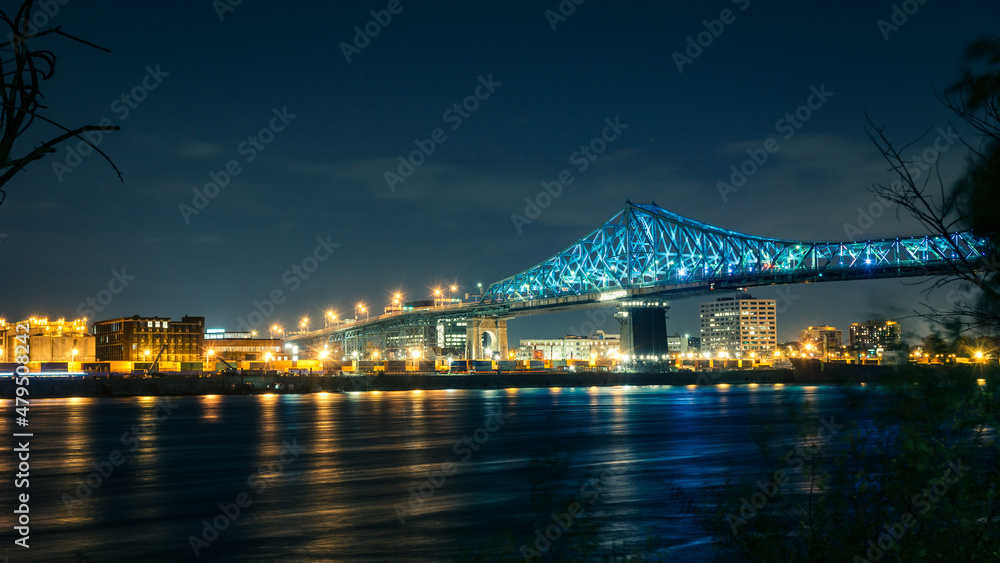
point(332, 476)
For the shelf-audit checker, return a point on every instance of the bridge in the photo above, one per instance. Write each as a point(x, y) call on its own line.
point(636, 261)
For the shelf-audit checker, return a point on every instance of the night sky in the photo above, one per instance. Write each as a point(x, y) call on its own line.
point(334, 127)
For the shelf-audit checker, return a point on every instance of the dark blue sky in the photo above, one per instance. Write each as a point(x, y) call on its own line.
point(323, 174)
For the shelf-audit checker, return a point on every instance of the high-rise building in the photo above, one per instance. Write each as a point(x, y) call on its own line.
point(739, 326)
point(816, 334)
point(875, 334)
point(47, 341)
point(139, 339)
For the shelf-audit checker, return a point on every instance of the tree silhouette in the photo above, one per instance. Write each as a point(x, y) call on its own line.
point(24, 72)
point(973, 202)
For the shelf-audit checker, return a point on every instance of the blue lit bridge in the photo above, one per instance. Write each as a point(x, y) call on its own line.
point(640, 258)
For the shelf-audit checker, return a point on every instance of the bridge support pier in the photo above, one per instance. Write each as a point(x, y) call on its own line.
point(643, 331)
point(493, 330)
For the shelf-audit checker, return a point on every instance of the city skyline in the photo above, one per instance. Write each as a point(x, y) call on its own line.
point(315, 200)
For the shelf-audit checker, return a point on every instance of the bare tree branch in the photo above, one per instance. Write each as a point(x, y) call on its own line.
point(23, 72)
point(971, 203)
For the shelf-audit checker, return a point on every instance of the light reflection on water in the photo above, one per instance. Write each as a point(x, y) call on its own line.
point(362, 457)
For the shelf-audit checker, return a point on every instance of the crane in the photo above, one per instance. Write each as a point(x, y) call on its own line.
point(151, 371)
point(230, 368)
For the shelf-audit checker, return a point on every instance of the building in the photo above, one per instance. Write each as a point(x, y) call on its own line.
point(48, 341)
point(875, 335)
point(603, 346)
point(139, 339)
point(240, 346)
point(816, 335)
point(682, 344)
point(739, 326)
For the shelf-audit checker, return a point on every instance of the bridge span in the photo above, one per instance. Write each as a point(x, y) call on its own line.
point(639, 259)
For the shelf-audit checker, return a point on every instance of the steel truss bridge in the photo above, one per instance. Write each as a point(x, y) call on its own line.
point(642, 256)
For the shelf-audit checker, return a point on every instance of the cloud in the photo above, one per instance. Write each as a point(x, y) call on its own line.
point(827, 176)
point(201, 151)
point(208, 239)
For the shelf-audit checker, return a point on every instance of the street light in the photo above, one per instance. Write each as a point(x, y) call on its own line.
point(360, 307)
point(275, 328)
point(305, 324)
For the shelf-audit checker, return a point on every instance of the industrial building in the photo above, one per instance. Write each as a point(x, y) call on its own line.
point(140, 339)
point(240, 346)
point(599, 345)
point(48, 341)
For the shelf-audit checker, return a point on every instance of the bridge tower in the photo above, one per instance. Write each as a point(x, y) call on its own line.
point(643, 329)
point(491, 329)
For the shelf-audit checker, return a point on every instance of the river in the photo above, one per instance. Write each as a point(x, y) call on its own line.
point(390, 476)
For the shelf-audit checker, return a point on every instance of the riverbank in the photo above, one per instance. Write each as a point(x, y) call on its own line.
point(814, 373)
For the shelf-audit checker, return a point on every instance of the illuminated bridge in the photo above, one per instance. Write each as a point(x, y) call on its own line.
point(636, 261)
